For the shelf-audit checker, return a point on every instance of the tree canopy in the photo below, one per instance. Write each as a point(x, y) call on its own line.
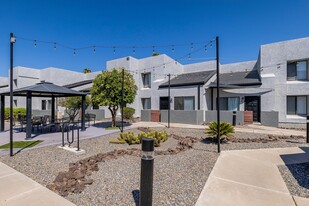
point(73, 104)
point(107, 90)
point(87, 70)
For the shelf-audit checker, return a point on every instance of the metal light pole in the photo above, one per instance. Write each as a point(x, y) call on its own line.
point(218, 94)
point(12, 41)
point(122, 99)
point(169, 100)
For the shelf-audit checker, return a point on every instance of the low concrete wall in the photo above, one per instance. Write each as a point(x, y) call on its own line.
point(146, 115)
point(100, 114)
point(41, 113)
point(225, 116)
point(184, 117)
point(270, 118)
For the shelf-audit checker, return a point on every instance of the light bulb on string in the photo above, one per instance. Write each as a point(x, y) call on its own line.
point(114, 50)
point(55, 45)
point(134, 50)
point(94, 49)
point(153, 49)
point(191, 47)
point(74, 51)
point(34, 43)
point(173, 49)
point(210, 44)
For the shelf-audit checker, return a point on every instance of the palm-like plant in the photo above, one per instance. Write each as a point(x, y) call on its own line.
point(226, 130)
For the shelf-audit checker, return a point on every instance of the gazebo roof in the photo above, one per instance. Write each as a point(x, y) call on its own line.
point(45, 89)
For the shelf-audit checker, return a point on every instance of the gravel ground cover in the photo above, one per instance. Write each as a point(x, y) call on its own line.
point(296, 178)
point(178, 179)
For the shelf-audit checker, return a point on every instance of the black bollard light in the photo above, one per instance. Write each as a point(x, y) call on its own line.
point(147, 162)
point(307, 129)
point(234, 118)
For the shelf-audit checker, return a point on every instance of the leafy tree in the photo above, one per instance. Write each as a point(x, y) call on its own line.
point(73, 105)
point(107, 90)
point(155, 54)
point(87, 70)
point(226, 130)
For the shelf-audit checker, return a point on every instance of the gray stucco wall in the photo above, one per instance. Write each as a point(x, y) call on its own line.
point(225, 116)
point(146, 115)
point(270, 118)
point(184, 117)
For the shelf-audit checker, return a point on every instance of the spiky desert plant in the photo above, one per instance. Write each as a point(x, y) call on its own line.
point(226, 130)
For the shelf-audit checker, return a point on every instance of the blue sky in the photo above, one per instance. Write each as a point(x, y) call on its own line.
point(242, 26)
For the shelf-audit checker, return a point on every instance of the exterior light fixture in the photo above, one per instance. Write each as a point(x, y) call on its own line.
point(13, 39)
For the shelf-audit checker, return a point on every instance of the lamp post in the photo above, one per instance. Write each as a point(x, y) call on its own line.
point(122, 99)
point(169, 101)
point(12, 41)
point(218, 93)
point(147, 162)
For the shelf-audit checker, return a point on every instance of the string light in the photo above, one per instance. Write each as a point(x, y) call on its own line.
point(55, 47)
point(114, 49)
point(94, 49)
point(210, 44)
point(34, 43)
point(74, 51)
point(173, 49)
point(153, 49)
point(205, 48)
point(191, 46)
point(134, 50)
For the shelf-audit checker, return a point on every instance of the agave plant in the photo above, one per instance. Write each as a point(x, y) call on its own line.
point(226, 130)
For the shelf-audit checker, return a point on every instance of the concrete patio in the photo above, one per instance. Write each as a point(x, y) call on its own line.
point(251, 177)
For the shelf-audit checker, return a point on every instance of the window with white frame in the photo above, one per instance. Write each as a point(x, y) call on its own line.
point(184, 103)
point(146, 103)
point(146, 77)
point(297, 70)
point(229, 103)
point(297, 105)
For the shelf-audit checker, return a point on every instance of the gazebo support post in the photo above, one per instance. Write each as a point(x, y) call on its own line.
point(53, 109)
point(83, 113)
point(2, 105)
point(28, 116)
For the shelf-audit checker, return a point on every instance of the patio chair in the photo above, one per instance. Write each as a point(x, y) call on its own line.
point(36, 122)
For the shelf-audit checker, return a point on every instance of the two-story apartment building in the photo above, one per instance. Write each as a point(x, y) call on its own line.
point(278, 81)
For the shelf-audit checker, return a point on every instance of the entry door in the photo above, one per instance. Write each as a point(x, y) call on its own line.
point(252, 103)
point(164, 103)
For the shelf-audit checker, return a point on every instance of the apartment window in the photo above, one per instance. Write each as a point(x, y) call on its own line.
point(43, 104)
point(49, 105)
point(297, 70)
point(184, 103)
point(146, 80)
point(164, 103)
point(146, 102)
point(297, 105)
point(229, 103)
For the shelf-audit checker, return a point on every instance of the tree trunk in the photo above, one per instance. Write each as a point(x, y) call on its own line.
point(113, 110)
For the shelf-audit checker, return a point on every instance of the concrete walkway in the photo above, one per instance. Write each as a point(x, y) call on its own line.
point(252, 177)
point(17, 189)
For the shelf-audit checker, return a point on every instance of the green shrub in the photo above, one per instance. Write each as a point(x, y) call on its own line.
point(130, 138)
point(128, 112)
point(15, 112)
point(226, 130)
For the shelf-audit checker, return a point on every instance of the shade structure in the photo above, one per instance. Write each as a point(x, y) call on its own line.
point(42, 89)
point(248, 90)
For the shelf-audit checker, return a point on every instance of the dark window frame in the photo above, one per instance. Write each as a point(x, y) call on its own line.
point(144, 82)
point(227, 102)
point(160, 103)
point(183, 104)
point(295, 109)
point(44, 105)
point(143, 103)
point(295, 78)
